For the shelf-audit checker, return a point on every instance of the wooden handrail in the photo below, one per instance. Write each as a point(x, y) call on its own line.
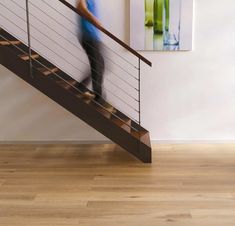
point(110, 35)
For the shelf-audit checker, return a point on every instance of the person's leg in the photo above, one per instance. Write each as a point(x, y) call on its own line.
point(96, 60)
point(87, 78)
point(93, 51)
point(98, 70)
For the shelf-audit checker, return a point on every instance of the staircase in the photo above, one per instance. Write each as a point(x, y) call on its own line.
point(59, 86)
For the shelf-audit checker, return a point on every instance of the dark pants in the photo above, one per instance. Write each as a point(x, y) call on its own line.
point(93, 50)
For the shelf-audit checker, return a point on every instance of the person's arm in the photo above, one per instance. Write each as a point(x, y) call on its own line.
point(82, 8)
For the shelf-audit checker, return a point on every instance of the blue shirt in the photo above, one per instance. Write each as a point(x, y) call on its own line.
point(89, 31)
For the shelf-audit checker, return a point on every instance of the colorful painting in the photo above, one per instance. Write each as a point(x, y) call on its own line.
point(161, 24)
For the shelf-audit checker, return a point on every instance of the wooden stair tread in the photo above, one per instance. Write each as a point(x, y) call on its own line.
point(85, 99)
point(105, 111)
point(26, 56)
point(80, 95)
point(125, 124)
point(143, 135)
point(67, 84)
point(7, 43)
point(46, 72)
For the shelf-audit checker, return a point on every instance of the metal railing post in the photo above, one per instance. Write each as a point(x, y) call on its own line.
point(29, 39)
point(139, 95)
point(139, 87)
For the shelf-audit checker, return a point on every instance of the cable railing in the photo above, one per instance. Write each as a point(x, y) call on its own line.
point(80, 49)
point(125, 87)
point(68, 83)
point(77, 68)
point(75, 24)
point(73, 33)
point(65, 48)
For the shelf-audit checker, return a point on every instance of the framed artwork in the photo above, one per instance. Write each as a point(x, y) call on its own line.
point(161, 24)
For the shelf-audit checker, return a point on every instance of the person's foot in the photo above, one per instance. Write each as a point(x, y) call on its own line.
point(88, 94)
point(105, 105)
point(108, 107)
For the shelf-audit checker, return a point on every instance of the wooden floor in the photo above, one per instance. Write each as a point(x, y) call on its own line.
point(102, 185)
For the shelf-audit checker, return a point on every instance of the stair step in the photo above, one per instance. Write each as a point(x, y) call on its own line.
point(85, 99)
point(26, 56)
point(123, 124)
point(47, 72)
point(7, 43)
point(105, 109)
point(122, 121)
point(68, 84)
point(142, 135)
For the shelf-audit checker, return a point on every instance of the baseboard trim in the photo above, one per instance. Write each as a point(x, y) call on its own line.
point(71, 142)
point(192, 141)
point(54, 142)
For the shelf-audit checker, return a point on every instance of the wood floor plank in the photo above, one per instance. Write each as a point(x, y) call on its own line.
point(92, 185)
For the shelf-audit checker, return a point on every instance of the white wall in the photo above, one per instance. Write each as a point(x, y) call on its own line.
point(187, 96)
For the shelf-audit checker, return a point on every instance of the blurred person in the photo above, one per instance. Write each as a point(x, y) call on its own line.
point(91, 42)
